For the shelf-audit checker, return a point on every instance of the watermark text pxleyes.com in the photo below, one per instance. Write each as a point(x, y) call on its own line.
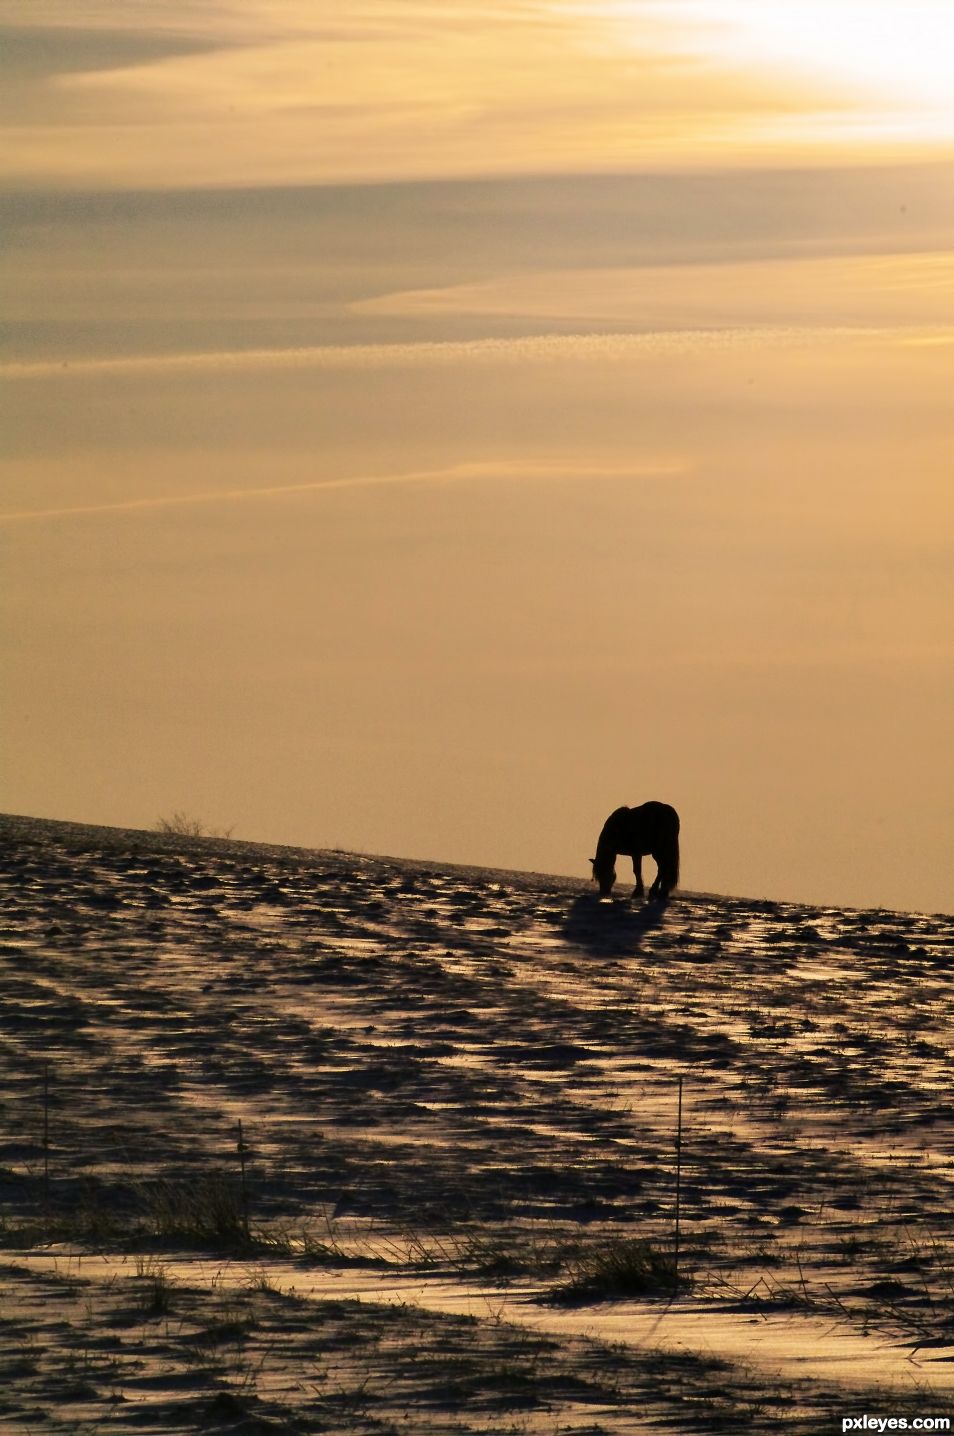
point(895, 1423)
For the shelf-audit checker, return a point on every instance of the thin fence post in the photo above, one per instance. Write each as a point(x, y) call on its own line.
point(46, 1135)
point(675, 1251)
point(241, 1153)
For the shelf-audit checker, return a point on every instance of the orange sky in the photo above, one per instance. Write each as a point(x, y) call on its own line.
point(432, 428)
point(287, 91)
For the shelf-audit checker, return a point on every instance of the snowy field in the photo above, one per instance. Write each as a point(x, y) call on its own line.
point(450, 1205)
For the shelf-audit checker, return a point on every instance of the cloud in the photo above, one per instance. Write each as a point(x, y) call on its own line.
point(476, 472)
point(32, 51)
point(906, 289)
point(270, 94)
point(439, 353)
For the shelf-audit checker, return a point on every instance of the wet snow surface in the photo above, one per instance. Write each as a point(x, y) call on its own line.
point(452, 1085)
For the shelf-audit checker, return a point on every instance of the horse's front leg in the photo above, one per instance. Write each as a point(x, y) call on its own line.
point(638, 890)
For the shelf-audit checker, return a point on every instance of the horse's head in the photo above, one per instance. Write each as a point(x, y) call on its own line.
point(604, 873)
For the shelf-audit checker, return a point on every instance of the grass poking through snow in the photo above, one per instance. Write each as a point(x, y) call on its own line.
point(615, 1270)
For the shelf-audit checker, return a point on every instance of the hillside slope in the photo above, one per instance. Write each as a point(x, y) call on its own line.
point(461, 1079)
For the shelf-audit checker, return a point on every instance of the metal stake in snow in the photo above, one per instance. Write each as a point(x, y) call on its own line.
point(46, 1134)
point(675, 1250)
point(242, 1149)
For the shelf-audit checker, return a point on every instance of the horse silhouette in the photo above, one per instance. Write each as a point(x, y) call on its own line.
point(650, 830)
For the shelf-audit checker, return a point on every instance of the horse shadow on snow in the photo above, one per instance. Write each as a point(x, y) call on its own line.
point(611, 929)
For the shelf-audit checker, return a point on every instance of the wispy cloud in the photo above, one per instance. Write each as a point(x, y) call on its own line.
point(267, 94)
point(867, 289)
point(439, 353)
point(512, 470)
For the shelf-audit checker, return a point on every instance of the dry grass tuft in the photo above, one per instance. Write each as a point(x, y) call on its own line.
point(626, 1267)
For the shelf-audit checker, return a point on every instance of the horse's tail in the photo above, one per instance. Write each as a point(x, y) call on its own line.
point(670, 862)
point(674, 880)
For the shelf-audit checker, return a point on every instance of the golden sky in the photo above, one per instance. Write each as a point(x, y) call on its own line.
point(430, 428)
point(290, 91)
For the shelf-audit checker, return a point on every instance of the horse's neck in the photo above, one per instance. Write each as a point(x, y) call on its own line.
point(619, 834)
point(607, 845)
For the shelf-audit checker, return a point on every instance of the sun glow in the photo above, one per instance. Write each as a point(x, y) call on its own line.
point(897, 55)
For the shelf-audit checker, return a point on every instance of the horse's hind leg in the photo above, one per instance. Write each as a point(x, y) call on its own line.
point(658, 889)
point(638, 890)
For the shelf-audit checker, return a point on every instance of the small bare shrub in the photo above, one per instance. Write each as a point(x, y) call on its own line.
point(182, 826)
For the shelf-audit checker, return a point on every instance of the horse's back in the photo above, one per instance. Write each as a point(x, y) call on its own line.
point(642, 829)
point(658, 816)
